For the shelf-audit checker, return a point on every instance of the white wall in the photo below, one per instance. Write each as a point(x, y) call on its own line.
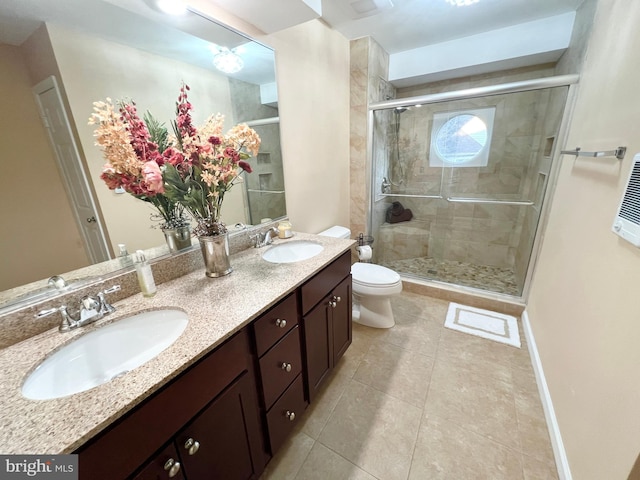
point(583, 304)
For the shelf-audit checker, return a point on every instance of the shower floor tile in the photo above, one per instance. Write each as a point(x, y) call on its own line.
point(484, 277)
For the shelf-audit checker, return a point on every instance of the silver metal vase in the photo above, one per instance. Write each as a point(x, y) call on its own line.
point(215, 251)
point(177, 238)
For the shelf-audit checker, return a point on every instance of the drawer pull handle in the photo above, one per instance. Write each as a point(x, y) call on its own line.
point(290, 415)
point(172, 467)
point(281, 322)
point(192, 446)
point(286, 366)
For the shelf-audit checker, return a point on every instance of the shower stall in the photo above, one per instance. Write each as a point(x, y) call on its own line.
point(264, 187)
point(459, 181)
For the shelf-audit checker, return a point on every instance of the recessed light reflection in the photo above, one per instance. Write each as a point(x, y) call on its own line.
point(172, 7)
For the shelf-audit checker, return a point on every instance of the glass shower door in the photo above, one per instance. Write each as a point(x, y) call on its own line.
point(473, 172)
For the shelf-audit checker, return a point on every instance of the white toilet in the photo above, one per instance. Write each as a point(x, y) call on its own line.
point(373, 286)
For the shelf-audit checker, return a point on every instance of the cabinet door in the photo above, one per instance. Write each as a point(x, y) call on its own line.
point(163, 466)
point(341, 320)
point(221, 442)
point(317, 340)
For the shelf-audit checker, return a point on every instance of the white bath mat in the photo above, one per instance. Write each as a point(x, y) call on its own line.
point(483, 323)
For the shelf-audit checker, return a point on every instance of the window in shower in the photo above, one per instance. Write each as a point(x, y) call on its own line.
point(462, 138)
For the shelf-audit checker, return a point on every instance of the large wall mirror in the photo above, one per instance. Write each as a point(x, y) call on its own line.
point(76, 52)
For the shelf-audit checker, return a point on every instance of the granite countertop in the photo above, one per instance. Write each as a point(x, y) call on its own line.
point(217, 308)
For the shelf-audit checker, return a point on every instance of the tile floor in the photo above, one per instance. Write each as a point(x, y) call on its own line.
point(422, 402)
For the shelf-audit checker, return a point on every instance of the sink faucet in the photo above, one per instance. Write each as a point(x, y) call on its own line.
point(266, 238)
point(92, 308)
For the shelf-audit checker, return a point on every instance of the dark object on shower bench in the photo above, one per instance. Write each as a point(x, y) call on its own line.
point(397, 213)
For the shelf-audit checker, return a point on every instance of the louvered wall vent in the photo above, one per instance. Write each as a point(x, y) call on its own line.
point(627, 223)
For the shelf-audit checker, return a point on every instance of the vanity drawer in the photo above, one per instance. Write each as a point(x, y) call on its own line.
point(276, 323)
point(280, 366)
point(319, 286)
point(285, 414)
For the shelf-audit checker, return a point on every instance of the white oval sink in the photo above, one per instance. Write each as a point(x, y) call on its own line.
point(104, 354)
point(291, 252)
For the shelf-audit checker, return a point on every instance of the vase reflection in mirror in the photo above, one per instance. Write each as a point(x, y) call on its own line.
point(177, 238)
point(215, 252)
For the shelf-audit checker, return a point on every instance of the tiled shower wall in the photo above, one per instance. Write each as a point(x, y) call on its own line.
point(268, 171)
point(481, 234)
point(369, 71)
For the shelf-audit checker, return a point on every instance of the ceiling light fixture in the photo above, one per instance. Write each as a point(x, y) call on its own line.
point(225, 60)
point(172, 7)
point(462, 3)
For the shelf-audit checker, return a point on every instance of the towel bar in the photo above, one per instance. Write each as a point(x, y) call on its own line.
point(618, 153)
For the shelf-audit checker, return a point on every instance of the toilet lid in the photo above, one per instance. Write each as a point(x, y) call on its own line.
point(373, 275)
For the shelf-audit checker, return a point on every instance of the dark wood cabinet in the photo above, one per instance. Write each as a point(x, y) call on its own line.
point(216, 444)
point(164, 465)
point(223, 382)
point(226, 415)
point(326, 323)
point(277, 334)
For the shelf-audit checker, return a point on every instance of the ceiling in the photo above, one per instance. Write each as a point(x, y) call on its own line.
point(486, 36)
point(397, 25)
point(410, 24)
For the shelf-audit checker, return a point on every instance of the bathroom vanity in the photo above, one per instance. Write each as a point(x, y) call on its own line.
point(216, 411)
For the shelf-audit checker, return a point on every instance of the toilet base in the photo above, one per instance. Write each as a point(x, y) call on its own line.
point(376, 312)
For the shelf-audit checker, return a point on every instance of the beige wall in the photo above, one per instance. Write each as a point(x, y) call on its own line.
point(35, 212)
point(583, 304)
point(312, 65)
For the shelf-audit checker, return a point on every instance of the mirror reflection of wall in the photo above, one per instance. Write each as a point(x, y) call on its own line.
point(42, 238)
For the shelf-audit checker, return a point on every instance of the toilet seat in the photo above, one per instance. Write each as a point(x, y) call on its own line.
point(374, 276)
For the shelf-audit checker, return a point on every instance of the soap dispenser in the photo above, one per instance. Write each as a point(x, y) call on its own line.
point(145, 275)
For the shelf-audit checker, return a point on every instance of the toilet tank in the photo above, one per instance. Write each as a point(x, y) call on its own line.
point(336, 232)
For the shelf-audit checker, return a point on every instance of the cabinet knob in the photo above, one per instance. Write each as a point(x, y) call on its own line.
point(191, 446)
point(332, 304)
point(336, 299)
point(281, 322)
point(290, 415)
point(286, 366)
point(172, 467)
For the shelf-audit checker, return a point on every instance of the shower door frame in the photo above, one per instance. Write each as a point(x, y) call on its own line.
point(570, 81)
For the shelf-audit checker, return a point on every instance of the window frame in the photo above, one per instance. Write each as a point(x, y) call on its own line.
point(440, 119)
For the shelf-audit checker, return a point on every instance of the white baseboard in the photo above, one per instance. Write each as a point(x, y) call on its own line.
point(562, 463)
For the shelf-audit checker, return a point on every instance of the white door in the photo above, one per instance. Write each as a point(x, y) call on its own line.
point(55, 120)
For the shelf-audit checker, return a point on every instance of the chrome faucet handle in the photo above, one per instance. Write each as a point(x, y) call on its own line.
point(46, 313)
point(67, 322)
point(106, 307)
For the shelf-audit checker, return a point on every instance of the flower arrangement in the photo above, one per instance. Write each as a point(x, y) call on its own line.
point(202, 164)
point(134, 152)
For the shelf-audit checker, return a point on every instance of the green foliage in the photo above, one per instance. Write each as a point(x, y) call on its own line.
point(157, 131)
